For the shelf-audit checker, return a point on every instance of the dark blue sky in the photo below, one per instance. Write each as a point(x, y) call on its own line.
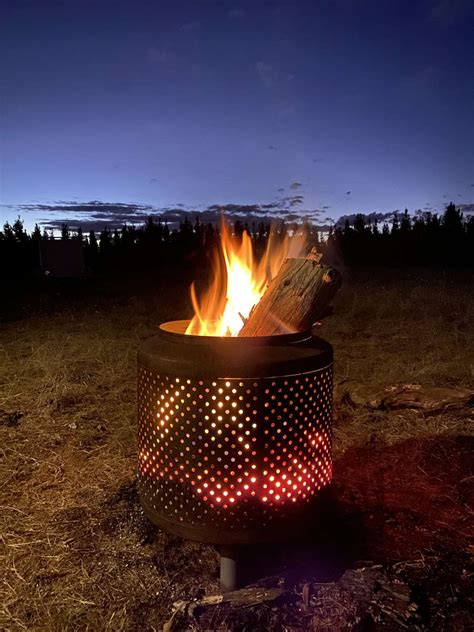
point(198, 103)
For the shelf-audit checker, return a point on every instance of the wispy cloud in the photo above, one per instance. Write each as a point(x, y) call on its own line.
point(96, 215)
point(295, 200)
point(372, 217)
point(116, 213)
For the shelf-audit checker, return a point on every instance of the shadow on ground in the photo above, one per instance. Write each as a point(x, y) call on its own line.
point(398, 516)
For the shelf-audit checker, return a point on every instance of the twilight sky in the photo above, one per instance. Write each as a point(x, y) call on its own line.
point(361, 105)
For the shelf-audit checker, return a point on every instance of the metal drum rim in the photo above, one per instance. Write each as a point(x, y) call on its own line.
point(175, 330)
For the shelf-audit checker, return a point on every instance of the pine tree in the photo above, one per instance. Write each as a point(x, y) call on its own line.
point(36, 234)
point(19, 231)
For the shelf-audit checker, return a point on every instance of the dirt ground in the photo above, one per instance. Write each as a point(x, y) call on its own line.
point(394, 551)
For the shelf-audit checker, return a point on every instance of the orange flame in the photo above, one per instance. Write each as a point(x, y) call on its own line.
point(239, 280)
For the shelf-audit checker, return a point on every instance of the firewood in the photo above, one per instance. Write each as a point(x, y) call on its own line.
point(430, 400)
point(295, 299)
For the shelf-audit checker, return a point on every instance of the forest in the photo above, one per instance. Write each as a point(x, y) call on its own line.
point(427, 239)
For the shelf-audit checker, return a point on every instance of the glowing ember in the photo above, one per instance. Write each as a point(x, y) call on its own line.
point(276, 462)
point(239, 281)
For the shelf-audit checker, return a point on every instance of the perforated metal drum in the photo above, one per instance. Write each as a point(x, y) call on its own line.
point(234, 433)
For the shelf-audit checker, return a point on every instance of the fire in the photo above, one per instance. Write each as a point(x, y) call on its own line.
point(239, 280)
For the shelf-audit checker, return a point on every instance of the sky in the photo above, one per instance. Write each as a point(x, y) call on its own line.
point(112, 110)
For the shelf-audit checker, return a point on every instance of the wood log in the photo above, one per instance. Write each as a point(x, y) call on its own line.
point(295, 299)
point(431, 400)
point(245, 597)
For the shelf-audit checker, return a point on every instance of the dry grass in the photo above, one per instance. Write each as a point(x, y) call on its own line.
point(76, 550)
point(401, 328)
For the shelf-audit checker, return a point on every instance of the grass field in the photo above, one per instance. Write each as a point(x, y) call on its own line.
point(78, 553)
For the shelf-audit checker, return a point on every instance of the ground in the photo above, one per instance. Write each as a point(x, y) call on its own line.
point(77, 551)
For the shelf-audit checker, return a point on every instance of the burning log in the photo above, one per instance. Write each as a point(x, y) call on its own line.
point(295, 299)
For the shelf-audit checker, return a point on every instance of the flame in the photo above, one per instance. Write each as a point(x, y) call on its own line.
point(239, 280)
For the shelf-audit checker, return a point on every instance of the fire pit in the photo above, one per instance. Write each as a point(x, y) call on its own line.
point(234, 411)
point(234, 433)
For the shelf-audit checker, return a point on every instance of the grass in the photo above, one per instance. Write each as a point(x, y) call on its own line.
point(78, 553)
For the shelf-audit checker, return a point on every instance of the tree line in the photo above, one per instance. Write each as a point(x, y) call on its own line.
point(426, 239)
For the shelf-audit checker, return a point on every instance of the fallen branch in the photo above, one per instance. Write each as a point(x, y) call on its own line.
point(236, 599)
point(432, 399)
point(428, 399)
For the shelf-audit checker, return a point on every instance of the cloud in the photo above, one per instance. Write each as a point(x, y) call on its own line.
point(295, 185)
point(97, 215)
point(116, 213)
point(373, 217)
point(292, 217)
point(296, 199)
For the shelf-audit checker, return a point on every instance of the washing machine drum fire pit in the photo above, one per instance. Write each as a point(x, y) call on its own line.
point(234, 433)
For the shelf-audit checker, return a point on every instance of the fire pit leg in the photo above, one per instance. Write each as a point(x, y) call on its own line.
point(228, 569)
